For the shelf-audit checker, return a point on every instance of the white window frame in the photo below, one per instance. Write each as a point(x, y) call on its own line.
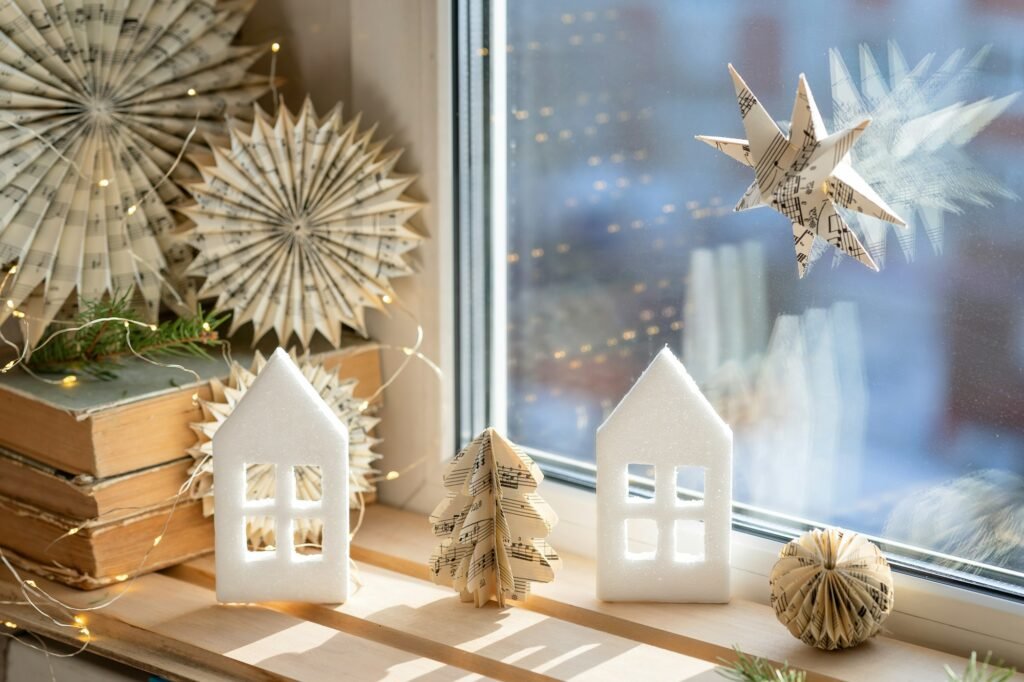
point(411, 92)
point(926, 612)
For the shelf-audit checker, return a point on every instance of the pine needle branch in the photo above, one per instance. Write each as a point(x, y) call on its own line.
point(97, 349)
point(753, 669)
point(980, 673)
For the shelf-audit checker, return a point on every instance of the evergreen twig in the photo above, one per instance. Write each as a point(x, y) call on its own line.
point(753, 669)
point(981, 673)
point(97, 350)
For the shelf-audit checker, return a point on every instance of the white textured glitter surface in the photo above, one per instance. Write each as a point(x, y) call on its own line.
point(281, 421)
point(664, 423)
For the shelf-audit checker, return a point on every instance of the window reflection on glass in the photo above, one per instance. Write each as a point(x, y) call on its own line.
point(891, 403)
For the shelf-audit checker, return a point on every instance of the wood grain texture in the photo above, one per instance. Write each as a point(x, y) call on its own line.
point(161, 620)
point(401, 541)
point(509, 643)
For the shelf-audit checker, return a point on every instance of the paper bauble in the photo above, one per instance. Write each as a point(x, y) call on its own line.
point(301, 224)
point(97, 101)
point(336, 392)
point(831, 588)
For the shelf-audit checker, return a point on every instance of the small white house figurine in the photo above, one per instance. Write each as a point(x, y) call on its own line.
point(282, 421)
point(664, 425)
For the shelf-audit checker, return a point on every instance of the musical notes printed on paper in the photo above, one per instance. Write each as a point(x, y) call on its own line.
point(493, 524)
point(831, 588)
point(804, 175)
point(301, 224)
point(97, 100)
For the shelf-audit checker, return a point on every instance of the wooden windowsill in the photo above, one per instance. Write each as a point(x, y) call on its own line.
point(398, 625)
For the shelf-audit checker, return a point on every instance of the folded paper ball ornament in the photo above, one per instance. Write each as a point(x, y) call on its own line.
point(831, 588)
point(665, 425)
point(283, 423)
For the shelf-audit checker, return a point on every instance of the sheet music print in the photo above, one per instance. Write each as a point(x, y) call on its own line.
point(493, 523)
point(301, 223)
point(803, 175)
point(75, 165)
point(831, 588)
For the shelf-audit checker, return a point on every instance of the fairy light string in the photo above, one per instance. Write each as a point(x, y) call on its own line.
point(55, 610)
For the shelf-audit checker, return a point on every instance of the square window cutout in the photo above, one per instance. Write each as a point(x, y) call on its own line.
point(641, 538)
point(307, 534)
point(308, 483)
point(638, 490)
point(689, 541)
point(260, 482)
point(689, 483)
point(260, 534)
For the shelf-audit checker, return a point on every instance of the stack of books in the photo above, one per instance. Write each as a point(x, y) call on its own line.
point(90, 473)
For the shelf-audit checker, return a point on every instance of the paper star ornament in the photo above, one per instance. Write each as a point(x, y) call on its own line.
point(805, 175)
point(98, 99)
point(301, 224)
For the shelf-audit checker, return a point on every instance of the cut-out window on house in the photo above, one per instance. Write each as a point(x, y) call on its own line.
point(689, 540)
point(689, 483)
point(638, 477)
point(261, 482)
point(301, 528)
point(641, 538)
point(269, 535)
point(308, 482)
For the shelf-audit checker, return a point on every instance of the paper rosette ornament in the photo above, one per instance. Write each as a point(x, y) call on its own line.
point(831, 588)
point(493, 524)
point(336, 392)
point(301, 224)
point(97, 101)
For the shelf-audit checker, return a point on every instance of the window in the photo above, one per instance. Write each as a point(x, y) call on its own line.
point(890, 402)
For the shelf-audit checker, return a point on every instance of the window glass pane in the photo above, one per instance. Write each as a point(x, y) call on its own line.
point(887, 402)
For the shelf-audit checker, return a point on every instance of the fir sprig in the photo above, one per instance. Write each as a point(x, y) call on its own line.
point(107, 331)
point(753, 669)
point(976, 672)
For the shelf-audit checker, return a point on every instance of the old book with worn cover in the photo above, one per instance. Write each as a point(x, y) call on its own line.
point(142, 419)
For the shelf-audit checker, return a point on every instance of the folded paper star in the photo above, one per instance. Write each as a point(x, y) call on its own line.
point(804, 175)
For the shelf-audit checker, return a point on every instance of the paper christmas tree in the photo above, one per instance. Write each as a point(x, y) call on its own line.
point(493, 523)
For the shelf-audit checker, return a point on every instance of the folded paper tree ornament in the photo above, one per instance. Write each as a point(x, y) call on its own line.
point(804, 175)
point(493, 523)
point(97, 101)
point(301, 224)
point(831, 588)
point(666, 428)
point(261, 478)
point(284, 424)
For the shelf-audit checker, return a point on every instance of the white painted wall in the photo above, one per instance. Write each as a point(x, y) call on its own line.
point(382, 58)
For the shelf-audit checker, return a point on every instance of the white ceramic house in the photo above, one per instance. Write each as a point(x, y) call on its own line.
point(281, 420)
point(667, 427)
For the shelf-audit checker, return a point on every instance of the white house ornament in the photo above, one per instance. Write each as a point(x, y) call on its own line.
point(339, 394)
point(492, 524)
point(301, 224)
point(666, 424)
point(96, 101)
point(281, 422)
point(831, 588)
point(804, 175)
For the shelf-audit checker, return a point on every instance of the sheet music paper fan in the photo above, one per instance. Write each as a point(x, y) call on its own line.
point(97, 100)
point(831, 588)
point(301, 224)
point(337, 393)
point(493, 523)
